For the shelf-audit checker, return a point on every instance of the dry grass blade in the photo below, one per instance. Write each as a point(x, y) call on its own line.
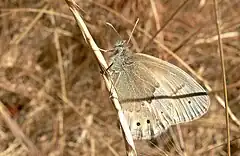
point(181, 140)
point(30, 26)
point(131, 151)
point(223, 74)
point(16, 130)
point(155, 13)
point(60, 65)
point(165, 24)
point(211, 147)
point(45, 11)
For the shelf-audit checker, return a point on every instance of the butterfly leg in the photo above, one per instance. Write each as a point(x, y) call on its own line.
point(104, 71)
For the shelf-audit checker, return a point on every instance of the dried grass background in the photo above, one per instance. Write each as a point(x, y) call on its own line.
point(30, 83)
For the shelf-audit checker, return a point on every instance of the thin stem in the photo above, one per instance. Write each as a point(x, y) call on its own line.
point(224, 74)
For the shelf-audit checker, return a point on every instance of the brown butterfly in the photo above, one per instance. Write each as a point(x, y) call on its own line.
point(153, 93)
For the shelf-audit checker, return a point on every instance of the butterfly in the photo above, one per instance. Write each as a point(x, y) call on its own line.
point(153, 93)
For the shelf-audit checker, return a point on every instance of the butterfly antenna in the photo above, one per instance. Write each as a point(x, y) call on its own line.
point(132, 31)
point(106, 51)
point(109, 24)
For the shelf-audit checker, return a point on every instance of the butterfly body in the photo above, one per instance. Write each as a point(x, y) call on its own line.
point(163, 88)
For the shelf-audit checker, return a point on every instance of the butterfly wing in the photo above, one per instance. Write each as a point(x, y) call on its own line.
point(184, 100)
point(133, 83)
point(169, 95)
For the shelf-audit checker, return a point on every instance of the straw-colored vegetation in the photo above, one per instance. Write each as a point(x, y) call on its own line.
point(51, 86)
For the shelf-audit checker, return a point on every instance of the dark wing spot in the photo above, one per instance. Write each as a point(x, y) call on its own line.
point(138, 124)
point(189, 102)
point(148, 121)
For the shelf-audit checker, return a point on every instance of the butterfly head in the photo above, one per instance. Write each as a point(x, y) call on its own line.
point(119, 47)
point(121, 55)
point(120, 43)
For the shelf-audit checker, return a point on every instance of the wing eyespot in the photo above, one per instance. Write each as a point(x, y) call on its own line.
point(148, 121)
point(138, 124)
